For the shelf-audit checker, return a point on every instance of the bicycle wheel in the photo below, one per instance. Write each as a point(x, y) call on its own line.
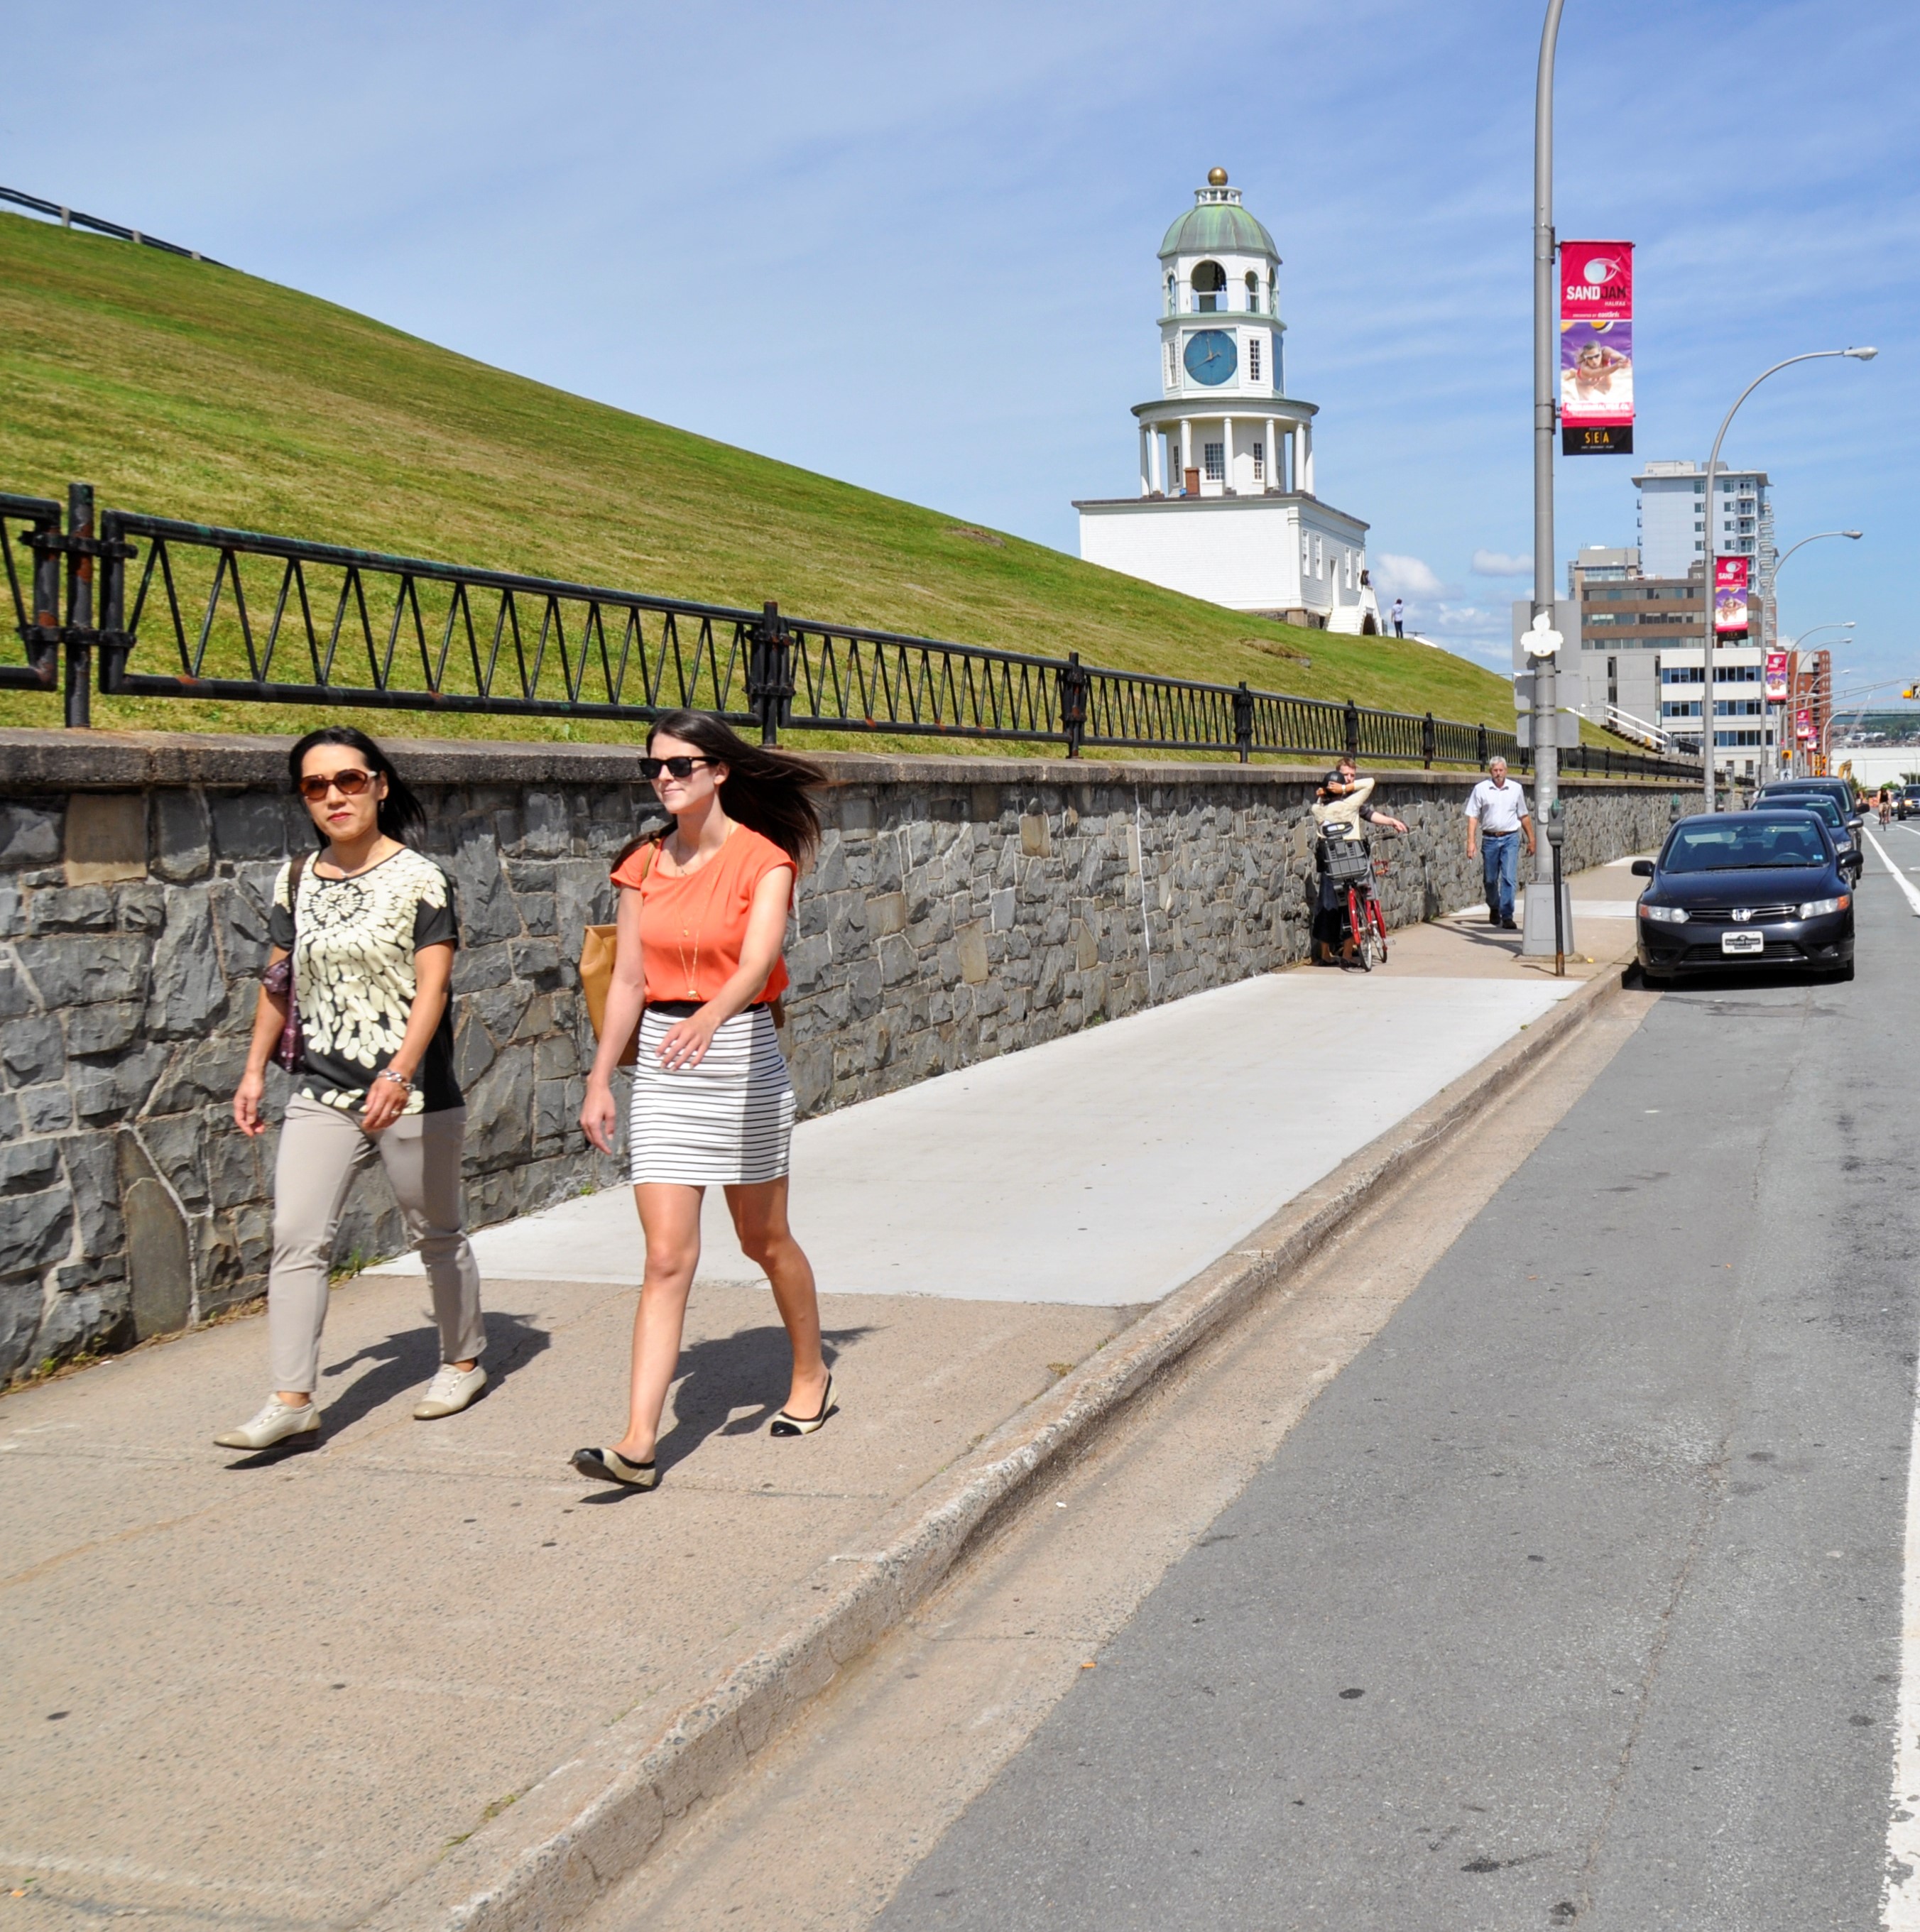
point(1357, 930)
point(1377, 928)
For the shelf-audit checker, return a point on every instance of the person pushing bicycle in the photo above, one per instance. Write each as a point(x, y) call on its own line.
point(1331, 924)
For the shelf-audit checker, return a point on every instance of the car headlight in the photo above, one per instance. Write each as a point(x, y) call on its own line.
point(1813, 908)
point(1665, 915)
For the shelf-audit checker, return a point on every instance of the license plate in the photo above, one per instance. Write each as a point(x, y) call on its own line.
point(1742, 942)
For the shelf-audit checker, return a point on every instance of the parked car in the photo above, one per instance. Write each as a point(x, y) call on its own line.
point(1823, 809)
point(1836, 789)
point(1907, 802)
point(1736, 889)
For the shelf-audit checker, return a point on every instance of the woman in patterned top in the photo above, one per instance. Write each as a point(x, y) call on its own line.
point(369, 925)
point(697, 969)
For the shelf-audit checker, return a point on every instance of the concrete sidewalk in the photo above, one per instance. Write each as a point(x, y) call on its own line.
point(267, 1693)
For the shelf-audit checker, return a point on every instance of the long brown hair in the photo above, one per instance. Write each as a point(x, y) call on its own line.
point(765, 790)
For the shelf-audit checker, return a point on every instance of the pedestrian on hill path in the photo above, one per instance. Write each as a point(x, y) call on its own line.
point(363, 935)
point(1330, 924)
point(1399, 618)
point(1497, 817)
point(697, 969)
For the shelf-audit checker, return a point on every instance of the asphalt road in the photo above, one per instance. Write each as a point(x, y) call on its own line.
point(1576, 1599)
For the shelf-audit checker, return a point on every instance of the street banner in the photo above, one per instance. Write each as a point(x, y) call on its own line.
point(1804, 729)
point(1729, 594)
point(1597, 348)
point(1775, 674)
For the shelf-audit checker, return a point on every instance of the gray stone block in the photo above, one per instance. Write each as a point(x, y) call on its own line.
point(31, 1050)
point(485, 902)
point(188, 989)
point(250, 825)
point(92, 1174)
point(29, 836)
point(77, 909)
point(82, 1321)
point(16, 996)
point(102, 1029)
point(36, 1230)
point(196, 1074)
point(44, 1110)
point(70, 970)
point(241, 921)
point(27, 1167)
point(105, 837)
point(499, 1111)
point(122, 1087)
point(20, 1305)
point(182, 835)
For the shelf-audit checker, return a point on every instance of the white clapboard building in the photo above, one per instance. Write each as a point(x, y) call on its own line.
point(1226, 509)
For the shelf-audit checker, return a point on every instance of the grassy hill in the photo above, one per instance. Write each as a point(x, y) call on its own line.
point(197, 392)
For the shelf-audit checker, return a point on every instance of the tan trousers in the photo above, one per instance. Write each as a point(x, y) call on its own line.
point(321, 1149)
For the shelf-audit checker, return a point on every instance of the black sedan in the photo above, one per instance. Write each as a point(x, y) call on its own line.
point(1736, 889)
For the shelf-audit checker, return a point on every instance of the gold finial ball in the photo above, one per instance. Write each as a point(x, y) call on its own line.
point(1216, 177)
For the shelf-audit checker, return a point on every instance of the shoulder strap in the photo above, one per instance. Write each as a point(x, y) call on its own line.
point(293, 891)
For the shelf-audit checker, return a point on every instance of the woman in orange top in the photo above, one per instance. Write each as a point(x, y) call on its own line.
point(697, 968)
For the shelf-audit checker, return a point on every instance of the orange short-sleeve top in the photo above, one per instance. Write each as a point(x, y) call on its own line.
point(693, 925)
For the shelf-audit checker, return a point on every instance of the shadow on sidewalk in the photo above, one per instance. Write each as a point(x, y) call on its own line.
point(406, 1362)
point(717, 1375)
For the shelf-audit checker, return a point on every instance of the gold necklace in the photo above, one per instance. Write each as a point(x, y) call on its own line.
point(692, 973)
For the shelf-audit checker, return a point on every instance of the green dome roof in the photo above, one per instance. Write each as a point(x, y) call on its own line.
point(1218, 227)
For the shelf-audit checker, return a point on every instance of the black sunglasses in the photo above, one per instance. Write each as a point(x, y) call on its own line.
point(679, 768)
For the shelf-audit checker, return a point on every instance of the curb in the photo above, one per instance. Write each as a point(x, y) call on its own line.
point(595, 1820)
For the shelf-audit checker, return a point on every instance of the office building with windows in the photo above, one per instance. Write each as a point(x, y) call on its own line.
point(1227, 508)
point(1674, 525)
point(1643, 661)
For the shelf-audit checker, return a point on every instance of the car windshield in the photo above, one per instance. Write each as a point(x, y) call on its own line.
point(1810, 801)
point(1739, 845)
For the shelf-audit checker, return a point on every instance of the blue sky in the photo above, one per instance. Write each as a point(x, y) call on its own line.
point(914, 246)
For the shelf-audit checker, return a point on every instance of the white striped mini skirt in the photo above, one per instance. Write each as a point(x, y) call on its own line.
point(727, 1122)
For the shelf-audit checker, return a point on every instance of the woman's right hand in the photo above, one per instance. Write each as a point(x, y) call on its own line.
point(246, 1098)
point(597, 1115)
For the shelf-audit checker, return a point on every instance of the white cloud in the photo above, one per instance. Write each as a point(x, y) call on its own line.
point(1405, 576)
point(1497, 563)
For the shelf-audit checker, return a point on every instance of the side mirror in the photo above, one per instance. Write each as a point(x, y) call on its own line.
point(1643, 868)
point(1855, 824)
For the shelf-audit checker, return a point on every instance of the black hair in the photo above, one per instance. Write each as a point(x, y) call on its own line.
point(401, 814)
point(766, 790)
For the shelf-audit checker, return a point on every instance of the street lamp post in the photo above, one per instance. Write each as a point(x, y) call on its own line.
point(1709, 731)
point(1779, 564)
point(1794, 650)
point(1540, 936)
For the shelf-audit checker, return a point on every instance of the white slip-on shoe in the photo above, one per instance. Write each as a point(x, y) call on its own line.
point(449, 1392)
point(276, 1422)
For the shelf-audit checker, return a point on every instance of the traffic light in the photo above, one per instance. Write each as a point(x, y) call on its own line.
point(1912, 691)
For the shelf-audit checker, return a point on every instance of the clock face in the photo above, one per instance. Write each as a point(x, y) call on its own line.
point(1210, 356)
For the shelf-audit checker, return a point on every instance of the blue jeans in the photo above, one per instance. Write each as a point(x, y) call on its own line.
point(1500, 867)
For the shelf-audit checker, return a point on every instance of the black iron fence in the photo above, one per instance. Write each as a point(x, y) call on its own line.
point(72, 217)
point(155, 607)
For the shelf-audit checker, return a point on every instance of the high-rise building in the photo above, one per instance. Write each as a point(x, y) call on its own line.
point(1673, 518)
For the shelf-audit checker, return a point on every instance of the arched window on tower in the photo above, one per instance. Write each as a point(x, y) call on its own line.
point(1173, 294)
point(1273, 294)
point(1210, 287)
point(1252, 293)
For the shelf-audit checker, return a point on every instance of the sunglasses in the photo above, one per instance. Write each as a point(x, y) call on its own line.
point(651, 768)
point(349, 784)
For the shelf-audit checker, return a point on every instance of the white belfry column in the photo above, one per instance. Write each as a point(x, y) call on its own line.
point(1304, 482)
point(1275, 476)
point(1146, 462)
point(1185, 449)
point(1226, 453)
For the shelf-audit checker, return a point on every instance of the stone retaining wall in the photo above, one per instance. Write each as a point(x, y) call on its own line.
point(961, 907)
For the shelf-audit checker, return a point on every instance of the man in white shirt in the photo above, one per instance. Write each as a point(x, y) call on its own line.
point(1497, 817)
point(1399, 618)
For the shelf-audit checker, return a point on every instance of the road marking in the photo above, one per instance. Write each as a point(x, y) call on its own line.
point(1912, 893)
point(1900, 1910)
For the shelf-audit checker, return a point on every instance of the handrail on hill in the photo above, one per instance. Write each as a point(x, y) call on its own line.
point(72, 217)
point(239, 615)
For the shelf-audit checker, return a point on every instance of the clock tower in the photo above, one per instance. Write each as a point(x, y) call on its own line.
point(1227, 508)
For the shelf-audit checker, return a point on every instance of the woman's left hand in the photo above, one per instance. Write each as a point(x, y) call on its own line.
point(687, 1040)
point(386, 1101)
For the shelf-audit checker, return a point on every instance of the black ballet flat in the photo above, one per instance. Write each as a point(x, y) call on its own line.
point(611, 1466)
point(784, 1424)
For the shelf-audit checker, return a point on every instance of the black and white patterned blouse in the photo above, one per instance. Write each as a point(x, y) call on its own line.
point(353, 943)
